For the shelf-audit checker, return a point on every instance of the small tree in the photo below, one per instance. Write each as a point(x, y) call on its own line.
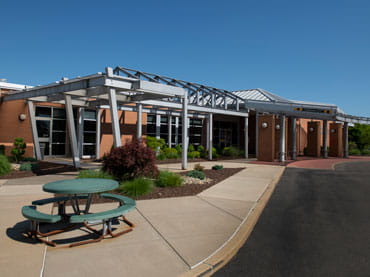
point(132, 160)
point(19, 149)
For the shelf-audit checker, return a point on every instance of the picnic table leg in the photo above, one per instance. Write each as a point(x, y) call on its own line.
point(88, 203)
point(74, 203)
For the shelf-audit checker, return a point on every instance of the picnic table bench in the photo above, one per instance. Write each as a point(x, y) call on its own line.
point(77, 193)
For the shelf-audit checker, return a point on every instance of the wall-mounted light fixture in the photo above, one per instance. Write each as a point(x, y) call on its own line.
point(277, 127)
point(22, 117)
point(312, 129)
point(264, 125)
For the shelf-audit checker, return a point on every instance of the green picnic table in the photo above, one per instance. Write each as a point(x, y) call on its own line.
point(77, 187)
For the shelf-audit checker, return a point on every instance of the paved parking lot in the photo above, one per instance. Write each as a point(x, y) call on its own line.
point(317, 223)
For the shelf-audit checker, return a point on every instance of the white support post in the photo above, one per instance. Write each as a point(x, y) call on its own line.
point(207, 136)
point(35, 136)
point(114, 116)
point(210, 136)
point(72, 130)
point(325, 139)
point(256, 142)
point(293, 121)
point(282, 139)
point(98, 132)
point(158, 126)
point(176, 130)
point(139, 121)
point(80, 130)
point(169, 131)
point(246, 138)
point(345, 138)
point(185, 131)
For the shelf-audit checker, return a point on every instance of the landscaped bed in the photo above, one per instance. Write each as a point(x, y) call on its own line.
point(187, 189)
point(40, 168)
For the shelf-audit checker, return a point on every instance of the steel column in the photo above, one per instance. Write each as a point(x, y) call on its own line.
point(139, 121)
point(207, 136)
point(158, 126)
point(98, 132)
point(345, 142)
point(210, 136)
point(72, 130)
point(256, 143)
point(176, 130)
point(169, 124)
point(35, 136)
point(80, 130)
point(185, 131)
point(114, 116)
point(282, 139)
point(246, 138)
point(293, 121)
point(325, 139)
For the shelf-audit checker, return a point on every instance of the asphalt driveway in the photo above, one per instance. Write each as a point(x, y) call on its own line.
point(317, 223)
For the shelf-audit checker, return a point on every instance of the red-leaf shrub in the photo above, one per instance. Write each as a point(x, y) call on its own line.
point(132, 160)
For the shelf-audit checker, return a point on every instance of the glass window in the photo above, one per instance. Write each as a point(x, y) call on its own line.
point(90, 126)
point(89, 150)
point(151, 118)
point(89, 137)
point(90, 114)
point(59, 137)
point(59, 125)
point(59, 113)
point(58, 149)
point(43, 128)
point(43, 111)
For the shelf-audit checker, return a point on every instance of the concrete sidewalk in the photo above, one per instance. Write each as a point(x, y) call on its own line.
point(172, 235)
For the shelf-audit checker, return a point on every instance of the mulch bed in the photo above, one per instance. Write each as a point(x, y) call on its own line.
point(192, 189)
point(185, 190)
point(14, 174)
point(43, 168)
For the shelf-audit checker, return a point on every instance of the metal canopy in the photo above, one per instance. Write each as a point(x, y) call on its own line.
point(267, 102)
point(200, 97)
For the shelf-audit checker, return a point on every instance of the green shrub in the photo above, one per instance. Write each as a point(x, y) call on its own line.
point(89, 173)
point(352, 145)
point(355, 152)
point(2, 149)
point(198, 167)
point(191, 148)
point(25, 167)
point(178, 149)
point(136, 187)
point(193, 154)
point(217, 167)
point(19, 149)
point(231, 151)
point(214, 153)
point(202, 151)
point(5, 166)
point(155, 143)
point(365, 152)
point(161, 156)
point(29, 159)
point(134, 159)
point(196, 174)
point(170, 153)
point(168, 179)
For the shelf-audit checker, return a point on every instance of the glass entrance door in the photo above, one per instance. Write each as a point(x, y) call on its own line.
point(51, 129)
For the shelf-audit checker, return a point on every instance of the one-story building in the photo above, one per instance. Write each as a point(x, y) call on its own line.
point(85, 116)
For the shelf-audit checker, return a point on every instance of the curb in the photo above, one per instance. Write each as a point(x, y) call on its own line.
point(237, 240)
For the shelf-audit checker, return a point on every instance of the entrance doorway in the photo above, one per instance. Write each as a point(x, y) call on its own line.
point(51, 130)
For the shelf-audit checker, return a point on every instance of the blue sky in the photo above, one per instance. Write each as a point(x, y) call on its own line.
point(305, 50)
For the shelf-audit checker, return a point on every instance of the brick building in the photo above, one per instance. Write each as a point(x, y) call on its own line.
point(84, 117)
